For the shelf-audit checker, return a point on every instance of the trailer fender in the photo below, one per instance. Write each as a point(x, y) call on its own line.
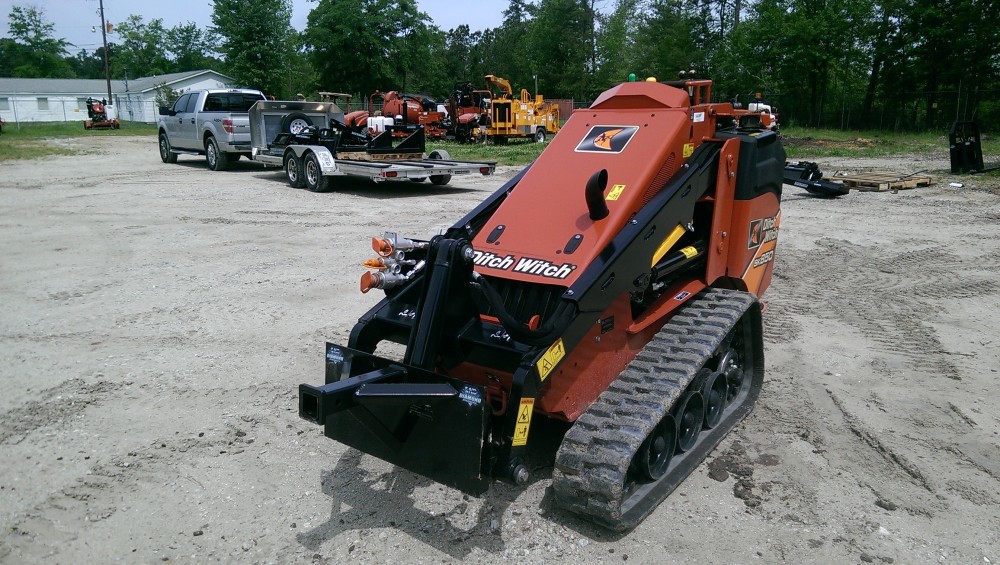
point(327, 163)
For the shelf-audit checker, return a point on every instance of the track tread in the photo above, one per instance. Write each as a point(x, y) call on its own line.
point(593, 461)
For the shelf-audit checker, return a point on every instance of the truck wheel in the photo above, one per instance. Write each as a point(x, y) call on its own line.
point(540, 135)
point(295, 122)
point(293, 171)
point(215, 158)
point(442, 155)
point(314, 179)
point(165, 154)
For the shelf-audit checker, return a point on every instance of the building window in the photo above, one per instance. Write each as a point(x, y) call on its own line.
point(4, 103)
point(43, 103)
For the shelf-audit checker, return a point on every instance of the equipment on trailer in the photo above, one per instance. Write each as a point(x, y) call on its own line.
point(612, 285)
point(97, 113)
point(397, 109)
point(313, 142)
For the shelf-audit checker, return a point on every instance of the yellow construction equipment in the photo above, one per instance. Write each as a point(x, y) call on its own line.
point(519, 118)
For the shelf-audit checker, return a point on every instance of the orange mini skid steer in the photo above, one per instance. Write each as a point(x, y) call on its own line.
point(612, 284)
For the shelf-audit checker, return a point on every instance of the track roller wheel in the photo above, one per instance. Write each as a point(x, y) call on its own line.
point(715, 391)
point(730, 366)
point(653, 458)
point(690, 415)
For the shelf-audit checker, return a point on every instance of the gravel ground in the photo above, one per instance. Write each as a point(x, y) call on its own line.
point(156, 320)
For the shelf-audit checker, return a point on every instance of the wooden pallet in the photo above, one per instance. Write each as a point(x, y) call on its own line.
point(879, 182)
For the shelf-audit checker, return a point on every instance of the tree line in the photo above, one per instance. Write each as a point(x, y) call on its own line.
point(889, 64)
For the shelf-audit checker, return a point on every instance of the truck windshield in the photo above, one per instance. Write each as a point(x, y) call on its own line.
point(230, 102)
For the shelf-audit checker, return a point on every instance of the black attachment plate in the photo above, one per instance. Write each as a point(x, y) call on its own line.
point(421, 421)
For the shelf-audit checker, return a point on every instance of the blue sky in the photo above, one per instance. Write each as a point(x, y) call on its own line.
point(73, 19)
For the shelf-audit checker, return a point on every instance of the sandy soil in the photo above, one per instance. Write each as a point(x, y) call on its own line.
point(156, 320)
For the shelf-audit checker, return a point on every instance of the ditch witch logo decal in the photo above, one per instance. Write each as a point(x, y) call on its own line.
point(762, 231)
point(523, 265)
point(607, 139)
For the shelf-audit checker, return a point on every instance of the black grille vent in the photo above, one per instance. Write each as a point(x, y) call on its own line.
point(523, 300)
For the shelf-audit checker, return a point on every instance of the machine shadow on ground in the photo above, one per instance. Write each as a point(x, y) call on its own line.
point(362, 499)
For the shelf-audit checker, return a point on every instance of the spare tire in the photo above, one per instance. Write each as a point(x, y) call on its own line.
point(295, 122)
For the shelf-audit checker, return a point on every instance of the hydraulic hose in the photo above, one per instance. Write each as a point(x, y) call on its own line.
point(546, 333)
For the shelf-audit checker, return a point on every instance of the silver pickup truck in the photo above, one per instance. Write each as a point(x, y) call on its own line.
point(212, 123)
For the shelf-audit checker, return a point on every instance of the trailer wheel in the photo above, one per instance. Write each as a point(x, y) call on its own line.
point(540, 135)
point(293, 171)
point(314, 179)
point(295, 122)
point(166, 155)
point(442, 155)
point(213, 156)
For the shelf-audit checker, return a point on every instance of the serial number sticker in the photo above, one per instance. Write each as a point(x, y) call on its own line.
point(616, 192)
point(523, 422)
point(551, 358)
point(461, 172)
point(326, 159)
point(698, 117)
point(688, 149)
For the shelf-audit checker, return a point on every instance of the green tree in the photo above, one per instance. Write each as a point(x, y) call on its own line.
point(360, 46)
point(32, 51)
point(665, 40)
point(140, 50)
point(88, 64)
point(561, 47)
point(165, 96)
point(298, 74)
point(460, 61)
point(616, 44)
point(191, 47)
point(255, 41)
point(510, 51)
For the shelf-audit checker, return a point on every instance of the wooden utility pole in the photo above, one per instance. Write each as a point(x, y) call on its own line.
point(107, 69)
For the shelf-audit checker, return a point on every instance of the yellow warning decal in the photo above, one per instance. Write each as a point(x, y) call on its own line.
point(551, 358)
point(688, 149)
point(616, 192)
point(523, 421)
point(689, 251)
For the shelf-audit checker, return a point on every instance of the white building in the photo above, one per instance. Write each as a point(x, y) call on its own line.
point(65, 99)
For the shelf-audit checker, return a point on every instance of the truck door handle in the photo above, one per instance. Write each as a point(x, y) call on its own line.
point(192, 120)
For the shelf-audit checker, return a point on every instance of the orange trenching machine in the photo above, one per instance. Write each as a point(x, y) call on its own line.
point(612, 285)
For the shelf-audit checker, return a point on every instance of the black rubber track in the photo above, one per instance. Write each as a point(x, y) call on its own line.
point(591, 475)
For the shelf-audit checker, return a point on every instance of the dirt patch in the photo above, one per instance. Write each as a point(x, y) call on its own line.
point(157, 320)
